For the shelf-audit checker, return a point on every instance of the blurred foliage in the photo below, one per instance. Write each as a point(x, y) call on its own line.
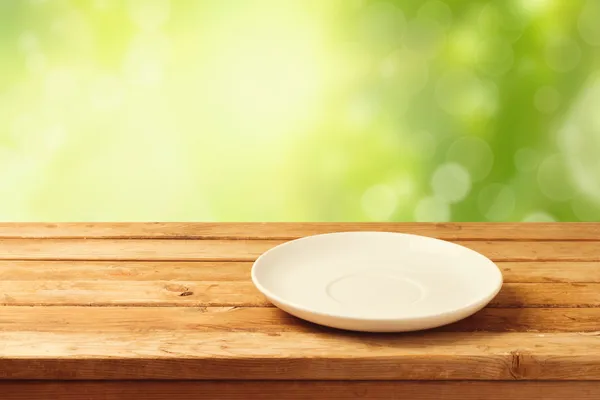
point(328, 110)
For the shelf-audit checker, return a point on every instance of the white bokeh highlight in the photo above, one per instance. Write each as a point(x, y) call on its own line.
point(426, 144)
point(379, 202)
point(461, 93)
point(382, 24)
point(497, 201)
point(432, 209)
point(451, 182)
point(407, 70)
point(579, 140)
point(585, 209)
point(539, 216)
point(552, 179)
point(424, 35)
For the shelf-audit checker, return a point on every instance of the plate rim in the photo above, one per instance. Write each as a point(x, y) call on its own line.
point(269, 294)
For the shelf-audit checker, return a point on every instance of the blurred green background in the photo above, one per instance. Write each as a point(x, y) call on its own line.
point(299, 110)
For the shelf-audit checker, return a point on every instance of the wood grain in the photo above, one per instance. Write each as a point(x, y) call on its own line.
point(243, 293)
point(513, 272)
point(250, 319)
point(131, 293)
point(548, 295)
point(295, 390)
point(203, 230)
point(547, 271)
point(127, 270)
point(299, 356)
point(249, 250)
point(134, 249)
point(174, 302)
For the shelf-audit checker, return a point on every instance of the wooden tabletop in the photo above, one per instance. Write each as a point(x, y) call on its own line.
point(102, 305)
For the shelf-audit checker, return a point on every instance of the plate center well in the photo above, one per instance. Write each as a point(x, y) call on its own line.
point(375, 290)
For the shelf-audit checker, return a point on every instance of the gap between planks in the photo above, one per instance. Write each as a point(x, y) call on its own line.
point(243, 293)
point(295, 390)
point(249, 250)
point(513, 272)
point(282, 230)
point(76, 319)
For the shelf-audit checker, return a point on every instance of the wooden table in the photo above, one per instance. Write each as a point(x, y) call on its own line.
point(164, 311)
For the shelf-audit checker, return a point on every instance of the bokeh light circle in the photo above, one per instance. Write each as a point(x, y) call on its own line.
point(461, 93)
point(379, 202)
point(451, 182)
point(424, 36)
point(382, 24)
point(539, 216)
point(553, 180)
point(426, 144)
point(28, 42)
point(579, 140)
point(501, 19)
point(586, 209)
point(432, 209)
point(496, 202)
point(406, 70)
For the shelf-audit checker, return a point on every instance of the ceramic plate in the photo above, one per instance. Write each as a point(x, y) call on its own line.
point(376, 281)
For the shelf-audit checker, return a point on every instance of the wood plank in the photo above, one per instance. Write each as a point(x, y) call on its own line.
point(548, 271)
point(249, 250)
point(243, 293)
point(126, 270)
point(134, 249)
point(261, 319)
point(294, 390)
point(529, 320)
point(513, 272)
point(256, 230)
point(548, 295)
point(131, 293)
point(299, 356)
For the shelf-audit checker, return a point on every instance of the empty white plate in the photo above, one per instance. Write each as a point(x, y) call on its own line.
point(376, 281)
